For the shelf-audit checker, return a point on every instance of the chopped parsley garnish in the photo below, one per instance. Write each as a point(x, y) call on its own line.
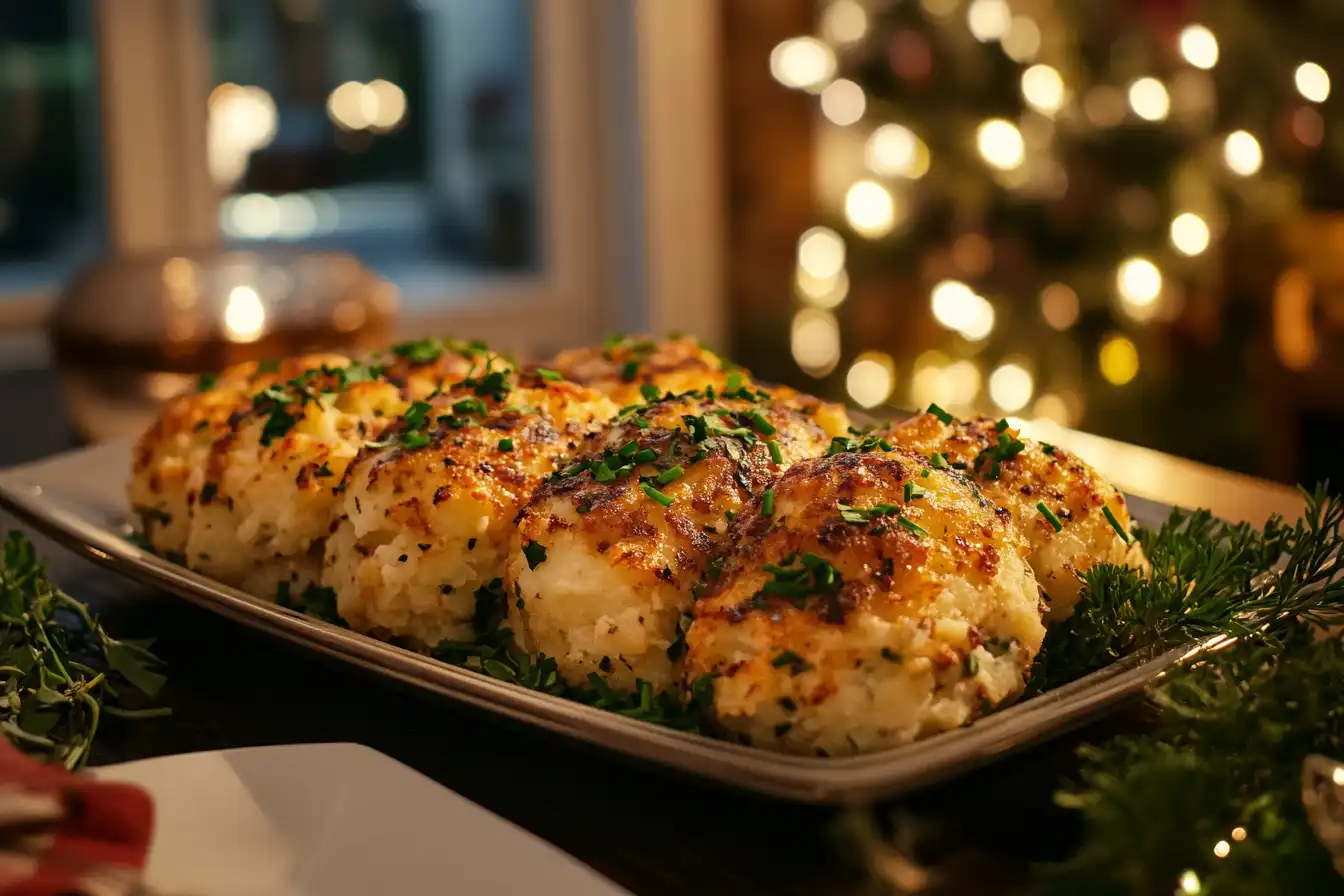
point(1115, 524)
point(912, 526)
point(1004, 450)
point(415, 415)
point(672, 474)
point(206, 381)
point(768, 502)
point(535, 554)
point(1048, 448)
point(649, 391)
point(941, 414)
point(843, 445)
point(414, 441)
point(421, 351)
point(506, 444)
point(1050, 516)
point(550, 376)
point(494, 384)
point(814, 577)
point(797, 665)
point(268, 365)
point(470, 406)
point(776, 455)
point(656, 495)
point(629, 370)
point(1001, 425)
point(645, 456)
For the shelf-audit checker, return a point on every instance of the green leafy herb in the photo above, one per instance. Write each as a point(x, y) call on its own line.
point(62, 671)
point(797, 579)
point(912, 493)
point(776, 455)
point(629, 370)
point(206, 381)
point(938, 462)
point(912, 526)
point(795, 663)
point(866, 514)
point(672, 474)
point(535, 554)
point(768, 502)
point(941, 414)
point(656, 495)
point(550, 376)
point(421, 351)
point(649, 391)
point(506, 444)
point(1049, 516)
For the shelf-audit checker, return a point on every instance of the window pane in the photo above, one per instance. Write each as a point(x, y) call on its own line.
point(50, 193)
point(401, 131)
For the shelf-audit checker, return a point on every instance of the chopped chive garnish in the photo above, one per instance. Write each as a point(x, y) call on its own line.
point(603, 473)
point(924, 475)
point(768, 502)
point(506, 444)
point(647, 456)
point(672, 474)
point(912, 493)
point(938, 462)
point(940, 414)
point(414, 441)
point(699, 456)
point(763, 426)
point(649, 391)
point(1115, 524)
point(885, 445)
point(629, 449)
point(1048, 448)
point(791, 659)
point(550, 376)
point(1050, 516)
point(655, 494)
point(912, 526)
point(734, 382)
point(629, 370)
point(775, 454)
point(729, 515)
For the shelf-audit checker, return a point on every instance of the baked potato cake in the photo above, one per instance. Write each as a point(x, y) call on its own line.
point(168, 462)
point(1071, 515)
point(868, 601)
point(635, 369)
point(425, 515)
point(607, 552)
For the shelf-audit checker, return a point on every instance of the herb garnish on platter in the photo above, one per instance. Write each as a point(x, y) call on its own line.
point(61, 671)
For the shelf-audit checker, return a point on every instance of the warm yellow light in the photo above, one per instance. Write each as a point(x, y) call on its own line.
point(1189, 234)
point(843, 102)
point(1051, 407)
point(1010, 386)
point(802, 62)
point(1337, 776)
point(1043, 89)
point(1238, 834)
point(871, 378)
point(1138, 281)
point(821, 252)
point(1059, 306)
point(1023, 40)
point(1149, 99)
point(1000, 144)
point(844, 22)
point(1241, 153)
point(825, 292)
point(980, 322)
point(870, 209)
point(988, 19)
point(388, 107)
point(1312, 82)
point(250, 216)
point(1190, 884)
point(352, 106)
point(1118, 359)
point(1294, 320)
point(1199, 47)
point(1222, 848)
point(959, 383)
point(815, 341)
point(940, 8)
point(244, 315)
point(240, 121)
point(953, 303)
point(926, 379)
point(297, 217)
point(894, 151)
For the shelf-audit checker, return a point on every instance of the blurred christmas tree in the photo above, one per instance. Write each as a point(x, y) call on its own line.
point(1069, 211)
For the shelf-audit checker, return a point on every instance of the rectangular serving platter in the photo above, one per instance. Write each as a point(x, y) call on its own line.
point(78, 499)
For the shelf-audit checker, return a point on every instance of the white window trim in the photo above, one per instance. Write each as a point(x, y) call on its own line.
point(620, 170)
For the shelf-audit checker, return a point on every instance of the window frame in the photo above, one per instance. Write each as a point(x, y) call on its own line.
point(627, 105)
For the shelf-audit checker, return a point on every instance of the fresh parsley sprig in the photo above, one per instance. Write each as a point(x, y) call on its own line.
point(61, 670)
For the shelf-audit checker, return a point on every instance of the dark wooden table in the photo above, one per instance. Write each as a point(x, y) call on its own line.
point(649, 831)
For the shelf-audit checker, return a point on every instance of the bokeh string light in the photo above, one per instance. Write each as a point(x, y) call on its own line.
point(909, 153)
